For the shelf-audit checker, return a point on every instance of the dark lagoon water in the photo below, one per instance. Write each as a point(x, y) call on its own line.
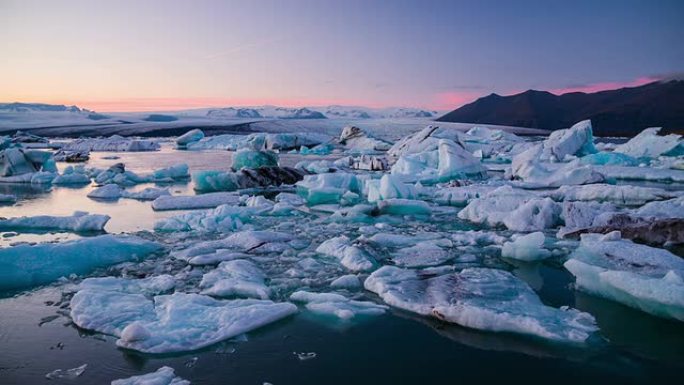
point(37, 335)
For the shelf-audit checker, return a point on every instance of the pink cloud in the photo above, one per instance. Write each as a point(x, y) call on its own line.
point(603, 86)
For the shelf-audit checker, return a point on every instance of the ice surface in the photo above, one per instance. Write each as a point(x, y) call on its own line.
point(336, 305)
point(643, 277)
point(163, 376)
point(649, 144)
point(480, 298)
point(236, 278)
point(252, 242)
point(350, 256)
point(25, 266)
point(80, 221)
point(422, 254)
point(527, 248)
point(254, 159)
point(189, 202)
point(171, 323)
point(531, 167)
point(113, 143)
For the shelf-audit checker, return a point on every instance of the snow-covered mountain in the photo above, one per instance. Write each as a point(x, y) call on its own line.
point(265, 112)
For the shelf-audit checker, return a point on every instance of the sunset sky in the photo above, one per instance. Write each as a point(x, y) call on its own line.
point(163, 55)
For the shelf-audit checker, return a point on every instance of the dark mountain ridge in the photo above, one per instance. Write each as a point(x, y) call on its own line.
point(620, 112)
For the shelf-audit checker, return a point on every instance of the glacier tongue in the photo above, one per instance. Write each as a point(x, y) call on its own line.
point(480, 298)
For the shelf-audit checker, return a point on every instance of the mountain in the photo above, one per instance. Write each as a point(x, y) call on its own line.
point(327, 112)
point(620, 112)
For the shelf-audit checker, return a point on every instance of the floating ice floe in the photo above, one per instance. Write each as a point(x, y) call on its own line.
point(163, 376)
point(259, 141)
point(649, 144)
point(643, 277)
point(236, 278)
point(80, 221)
point(516, 209)
point(348, 282)
point(254, 159)
point(190, 202)
point(329, 188)
point(652, 174)
point(422, 254)
point(609, 159)
point(208, 181)
point(480, 298)
point(149, 286)
point(336, 305)
point(399, 206)
point(25, 266)
point(449, 161)
point(351, 256)
point(67, 374)
point(171, 173)
point(356, 139)
point(224, 218)
point(113, 143)
point(72, 176)
point(250, 242)
point(191, 136)
point(460, 195)
point(171, 323)
point(7, 198)
point(527, 248)
point(618, 194)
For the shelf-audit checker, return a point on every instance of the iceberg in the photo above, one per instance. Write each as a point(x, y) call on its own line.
point(191, 202)
point(398, 206)
point(25, 266)
point(348, 282)
point(328, 188)
point(609, 159)
point(448, 162)
point(108, 191)
point(26, 166)
point(254, 159)
point(146, 194)
point(530, 167)
point(113, 143)
point(577, 140)
point(480, 298)
point(176, 172)
point(72, 176)
point(191, 136)
point(526, 248)
point(389, 187)
point(336, 305)
point(177, 322)
point(7, 198)
point(425, 140)
point(80, 221)
point(71, 156)
point(236, 278)
point(163, 376)
point(648, 144)
point(422, 254)
point(355, 138)
point(208, 181)
point(353, 257)
point(516, 209)
point(639, 276)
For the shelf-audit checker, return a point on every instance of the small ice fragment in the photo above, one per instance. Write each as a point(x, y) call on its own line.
point(305, 356)
point(67, 374)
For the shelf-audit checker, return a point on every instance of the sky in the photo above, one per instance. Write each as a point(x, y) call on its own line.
point(169, 54)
